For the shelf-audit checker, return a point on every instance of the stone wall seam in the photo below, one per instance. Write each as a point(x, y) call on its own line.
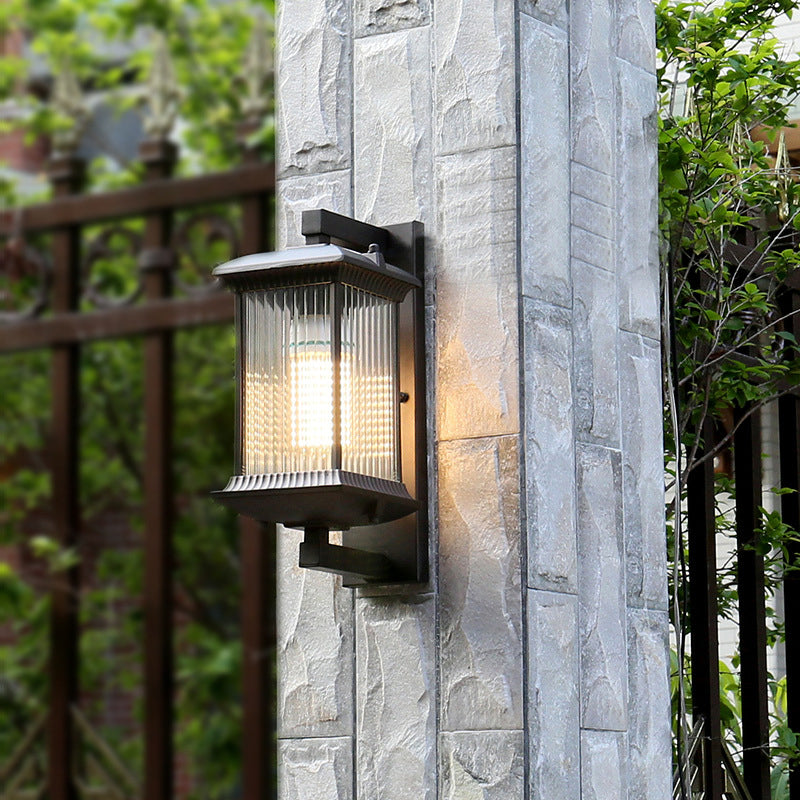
point(633, 65)
point(590, 264)
point(523, 511)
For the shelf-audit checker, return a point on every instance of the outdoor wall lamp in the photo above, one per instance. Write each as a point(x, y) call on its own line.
point(331, 396)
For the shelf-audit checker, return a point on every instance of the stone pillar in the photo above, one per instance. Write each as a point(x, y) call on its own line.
point(535, 662)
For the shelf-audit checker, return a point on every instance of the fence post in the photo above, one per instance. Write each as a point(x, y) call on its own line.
point(66, 176)
point(789, 426)
point(752, 614)
point(703, 612)
point(259, 624)
point(159, 158)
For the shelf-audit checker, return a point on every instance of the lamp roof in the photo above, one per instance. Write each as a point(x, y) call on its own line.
point(316, 263)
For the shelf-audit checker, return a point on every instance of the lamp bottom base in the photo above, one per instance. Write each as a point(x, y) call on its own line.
point(336, 499)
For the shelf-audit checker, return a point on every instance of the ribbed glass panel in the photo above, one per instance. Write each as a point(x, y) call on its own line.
point(369, 385)
point(288, 391)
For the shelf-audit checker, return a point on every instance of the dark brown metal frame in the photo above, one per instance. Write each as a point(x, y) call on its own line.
point(156, 317)
point(404, 542)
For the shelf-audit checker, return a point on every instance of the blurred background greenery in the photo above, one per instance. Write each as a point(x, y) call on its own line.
point(114, 49)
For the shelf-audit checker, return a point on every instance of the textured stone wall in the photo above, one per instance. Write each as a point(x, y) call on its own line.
point(534, 664)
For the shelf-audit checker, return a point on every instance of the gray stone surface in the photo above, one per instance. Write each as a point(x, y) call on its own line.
point(642, 471)
point(594, 217)
point(395, 696)
point(601, 596)
point(638, 202)
point(474, 65)
point(544, 168)
point(549, 456)
point(597, 412)
point(485, 765)
point(393, 128)
point(315, 769)
point(331, 190)
point(314, 86)
point(476, 295)
point(553, 705)
point(380, 16)
point(593, 249)
point(650, 735)
point(479, 584)
point(593, 112)
point(551, 12)
point(636, 33)
point(315, 648)
point(593, 185)
point(603, 765)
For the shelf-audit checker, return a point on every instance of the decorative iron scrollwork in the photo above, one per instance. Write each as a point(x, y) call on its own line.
point(25, 278)
point(110, 276)
point(202, 241)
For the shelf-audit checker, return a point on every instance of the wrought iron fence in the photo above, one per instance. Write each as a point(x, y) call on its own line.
point(132, 262)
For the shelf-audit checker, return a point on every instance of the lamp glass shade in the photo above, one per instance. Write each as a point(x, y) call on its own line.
point(319, 389)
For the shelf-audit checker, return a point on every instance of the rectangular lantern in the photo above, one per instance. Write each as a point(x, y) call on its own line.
point(319, 398)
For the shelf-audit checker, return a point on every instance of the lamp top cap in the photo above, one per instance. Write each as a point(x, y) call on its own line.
point(313, 261)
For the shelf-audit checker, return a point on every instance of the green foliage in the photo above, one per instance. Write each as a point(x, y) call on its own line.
point(207, 41)
point(725, 84)
point(107, 44)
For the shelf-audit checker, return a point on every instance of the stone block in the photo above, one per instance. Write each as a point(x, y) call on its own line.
point(315, 648)
point(551, 12)
point(393, 127)
point(601, 595)
point(593, 249)
point(553, 704)
point(301, 193)
point(603, 766)
point(480, 585)
point(592, 64)
point(476, 295)
point(482, 765)
point(314, 89)
point(549, 453)
point(637, 228)
point(593, 217)
point(643, 471)
point(636, 33)
point(649, 733)
point(315, 769)
point(395, 696)
point(592, 185)
point(382, 16)
point(475, 69)
point(544, 167)
point(594, 331)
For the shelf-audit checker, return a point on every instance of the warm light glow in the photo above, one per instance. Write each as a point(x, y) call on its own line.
point(311, 392)
point(289, 419)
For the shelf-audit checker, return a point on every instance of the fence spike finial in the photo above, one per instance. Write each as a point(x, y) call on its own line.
point(783, 178)
point(258, 72)
point(163, 93)
point(69, 103)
